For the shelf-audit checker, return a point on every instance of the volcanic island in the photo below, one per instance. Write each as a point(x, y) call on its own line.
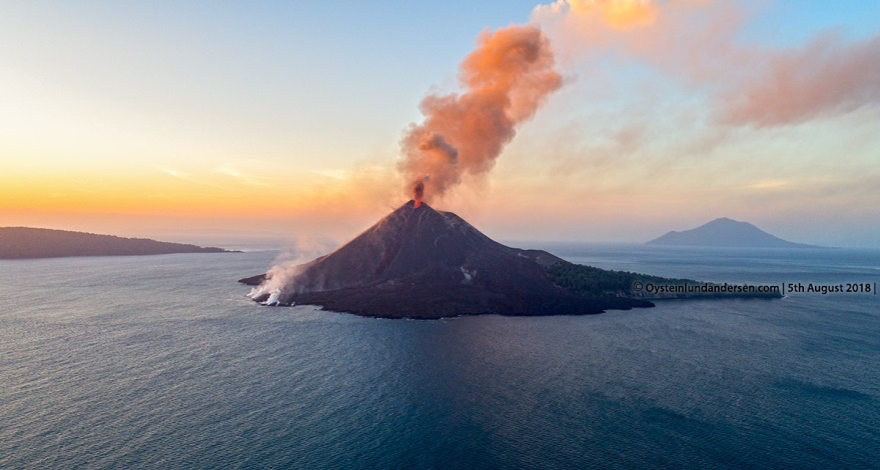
point(29, 243)
point(422, 263)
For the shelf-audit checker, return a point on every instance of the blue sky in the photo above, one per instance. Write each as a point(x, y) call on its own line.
point(249, 97)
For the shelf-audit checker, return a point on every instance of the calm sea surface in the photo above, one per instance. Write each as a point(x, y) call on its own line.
point(161, 362)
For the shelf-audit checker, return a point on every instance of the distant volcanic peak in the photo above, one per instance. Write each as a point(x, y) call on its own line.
point(725, 232)
point(727, 221)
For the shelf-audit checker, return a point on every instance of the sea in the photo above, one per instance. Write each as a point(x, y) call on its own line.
point(162, 362)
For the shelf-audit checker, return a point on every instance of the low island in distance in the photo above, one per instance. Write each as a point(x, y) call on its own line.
point(727, 233)
point(29, 243)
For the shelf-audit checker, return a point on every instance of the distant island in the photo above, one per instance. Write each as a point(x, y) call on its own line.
point(26, 242)
point(422, 263)
point(726, 232)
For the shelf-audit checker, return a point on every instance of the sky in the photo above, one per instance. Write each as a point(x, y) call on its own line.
point(215, 121)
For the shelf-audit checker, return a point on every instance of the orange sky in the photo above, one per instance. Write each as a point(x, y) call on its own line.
point(229, 123)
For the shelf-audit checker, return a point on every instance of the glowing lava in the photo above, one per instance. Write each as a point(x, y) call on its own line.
point(418, 193)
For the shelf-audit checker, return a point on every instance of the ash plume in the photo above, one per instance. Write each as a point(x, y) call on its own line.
point(504, 80)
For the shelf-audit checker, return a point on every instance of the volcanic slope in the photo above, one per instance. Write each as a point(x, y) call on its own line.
point(423, 263)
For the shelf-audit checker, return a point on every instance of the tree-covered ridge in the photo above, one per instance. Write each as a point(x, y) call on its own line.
point(590, 281)
point(587, 280)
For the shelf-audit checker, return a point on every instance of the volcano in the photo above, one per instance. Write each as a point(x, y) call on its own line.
point(422, 263)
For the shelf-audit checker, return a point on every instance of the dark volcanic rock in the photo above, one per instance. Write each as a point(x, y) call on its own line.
point(423, 263)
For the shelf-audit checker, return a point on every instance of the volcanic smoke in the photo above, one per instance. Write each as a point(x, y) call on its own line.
point(418, 194)
point(505, 79)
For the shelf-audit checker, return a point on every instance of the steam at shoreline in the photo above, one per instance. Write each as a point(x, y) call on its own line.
point(286, 267)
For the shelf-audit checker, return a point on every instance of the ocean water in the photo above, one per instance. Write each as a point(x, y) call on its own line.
point(161, 362)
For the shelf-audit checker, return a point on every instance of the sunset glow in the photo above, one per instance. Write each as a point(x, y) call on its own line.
point(142, 119)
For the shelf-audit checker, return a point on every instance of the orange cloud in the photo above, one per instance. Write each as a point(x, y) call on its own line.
point(505, 79)
point(824, 78)
point(698, 43)
point(618, 14)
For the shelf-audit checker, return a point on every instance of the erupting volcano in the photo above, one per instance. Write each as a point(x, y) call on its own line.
point(421, 263)
point(418, 262)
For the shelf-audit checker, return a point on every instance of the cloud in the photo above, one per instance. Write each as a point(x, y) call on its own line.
point(174, 173)
point(185, 177)
point(232, 169)
point(618, 14)
point(770, 185)
point(824, 78)
point(699, 45)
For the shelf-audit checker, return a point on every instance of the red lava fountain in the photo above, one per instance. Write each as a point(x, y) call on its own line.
point(418, 194)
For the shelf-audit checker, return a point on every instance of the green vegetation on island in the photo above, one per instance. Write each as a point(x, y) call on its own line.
point(590, 281)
